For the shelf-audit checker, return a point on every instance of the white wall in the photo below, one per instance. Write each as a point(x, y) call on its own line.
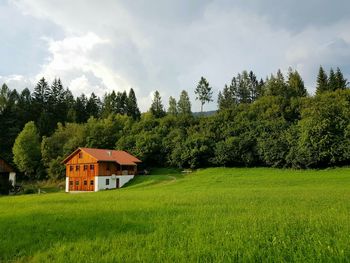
point(67, 184)
point(100, 181)
point(12, 178)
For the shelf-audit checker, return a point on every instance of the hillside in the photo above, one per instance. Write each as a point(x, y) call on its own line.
point(215, 215)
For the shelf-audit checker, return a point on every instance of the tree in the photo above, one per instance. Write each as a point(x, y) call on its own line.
point(80, 109)
point(332, 81)
point(322, 81)
point(172, 106)
point(157, 108)
point(227, 99)
point(184, 104)
point(203, 92)
point(131, 106)
point(93, 106)
point(295, 84)
point(26, 150)
point(276, 85)
point(341, 82)
point(109, 105)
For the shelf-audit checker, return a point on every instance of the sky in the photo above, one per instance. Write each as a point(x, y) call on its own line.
point(100, 46)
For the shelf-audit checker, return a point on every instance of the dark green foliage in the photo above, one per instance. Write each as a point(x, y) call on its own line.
point(273, 123)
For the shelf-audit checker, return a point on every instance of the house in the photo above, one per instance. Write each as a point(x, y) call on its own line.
point(89, 169)
point(7, 174)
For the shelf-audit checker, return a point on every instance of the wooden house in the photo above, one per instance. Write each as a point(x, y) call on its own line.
point(7, 174)
point(89, 169)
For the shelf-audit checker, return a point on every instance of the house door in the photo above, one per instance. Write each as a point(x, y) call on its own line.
point(91, 182)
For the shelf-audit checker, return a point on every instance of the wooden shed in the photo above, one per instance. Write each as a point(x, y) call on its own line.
point(90, 169)
point(7, 174)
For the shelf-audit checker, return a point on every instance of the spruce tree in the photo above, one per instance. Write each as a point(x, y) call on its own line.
point(296, 87)
point(172, 106)
point(93, 106)
point(157, 108)
point(227, 98)
point(332, 81)
point(131, 105)
point(341, 82)
point(203, 92)
point(322, 81)
point(80, 109)
point(184, 104)
point(40, 94)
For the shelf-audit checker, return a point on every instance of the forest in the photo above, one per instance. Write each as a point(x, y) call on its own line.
point(270, 122)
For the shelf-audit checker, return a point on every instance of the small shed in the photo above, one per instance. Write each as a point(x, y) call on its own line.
point(7, 176)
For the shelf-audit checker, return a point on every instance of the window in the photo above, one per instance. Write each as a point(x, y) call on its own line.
point(107, 181)
point(92, 167)
point(70, 182)
point(80, 155)
point(71, 168)
point(107, 167)
point(85, 167)
point(77, 167)
point(92, 182)
point(85, 182)
point(76, 182)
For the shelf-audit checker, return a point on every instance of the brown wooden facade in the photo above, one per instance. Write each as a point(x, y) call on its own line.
point(82, 168)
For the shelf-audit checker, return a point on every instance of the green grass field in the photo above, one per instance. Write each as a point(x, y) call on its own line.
point(212, 215)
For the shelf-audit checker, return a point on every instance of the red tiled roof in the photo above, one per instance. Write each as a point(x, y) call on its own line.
point(120, 157)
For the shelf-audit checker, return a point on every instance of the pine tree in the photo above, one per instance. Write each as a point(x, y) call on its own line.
point(253, 87)
point(184, 104)
point(227, 98)
point(341, 82)
point(332, 81)
point(295, 84)
point(276, 85)
point(132, 108)
point(322, 81)
point(172, 106)
point(157, 108)
point(109, 105)
point(40, 94)
point(80, 109)
point(93, 106)
point(203, 92)
point(243, 90)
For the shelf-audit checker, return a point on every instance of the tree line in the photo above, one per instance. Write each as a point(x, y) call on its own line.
point(271, 122)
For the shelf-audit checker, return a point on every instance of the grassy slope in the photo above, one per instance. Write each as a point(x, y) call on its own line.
point(211, 215)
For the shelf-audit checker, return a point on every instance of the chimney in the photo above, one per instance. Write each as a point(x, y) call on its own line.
point(109, 153)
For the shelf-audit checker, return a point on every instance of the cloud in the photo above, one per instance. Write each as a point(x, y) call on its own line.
point(169, 45)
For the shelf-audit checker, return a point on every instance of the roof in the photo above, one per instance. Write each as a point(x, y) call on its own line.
point(5, 167)
point(121, 157)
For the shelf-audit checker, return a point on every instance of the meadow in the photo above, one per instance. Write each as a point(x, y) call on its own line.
point(211, 215)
